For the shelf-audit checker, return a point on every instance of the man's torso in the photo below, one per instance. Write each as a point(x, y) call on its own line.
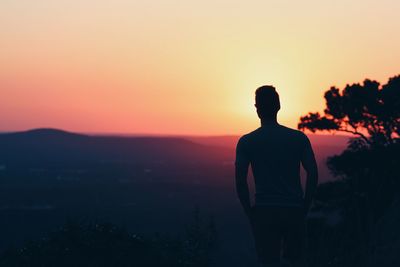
point(274, 153)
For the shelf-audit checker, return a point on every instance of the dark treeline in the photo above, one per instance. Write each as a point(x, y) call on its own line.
point(106, 244)
point(360, 227)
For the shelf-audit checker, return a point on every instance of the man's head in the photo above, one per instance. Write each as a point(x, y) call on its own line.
point(267, 102)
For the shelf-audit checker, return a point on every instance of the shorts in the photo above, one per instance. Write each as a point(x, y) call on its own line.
point(279, 232)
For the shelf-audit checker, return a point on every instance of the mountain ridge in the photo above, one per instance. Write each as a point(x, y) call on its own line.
point(53, 145)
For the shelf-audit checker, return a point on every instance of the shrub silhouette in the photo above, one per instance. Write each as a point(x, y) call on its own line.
point(98, 245)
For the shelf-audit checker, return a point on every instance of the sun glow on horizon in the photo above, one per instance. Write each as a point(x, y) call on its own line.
point(174, 67)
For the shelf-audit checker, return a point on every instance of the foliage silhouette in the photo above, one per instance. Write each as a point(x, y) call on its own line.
point(98, 245)
point(369, 111)
point(200, 239)
point(368, 169)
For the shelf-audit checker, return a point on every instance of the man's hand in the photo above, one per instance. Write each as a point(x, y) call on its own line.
point(307, 207)
point(248, 211)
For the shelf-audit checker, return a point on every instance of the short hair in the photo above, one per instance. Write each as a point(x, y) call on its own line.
point(267, 101)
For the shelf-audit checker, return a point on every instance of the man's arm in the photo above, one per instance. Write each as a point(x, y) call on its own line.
point(242, 188)
point(310, 166)
point(241, 170)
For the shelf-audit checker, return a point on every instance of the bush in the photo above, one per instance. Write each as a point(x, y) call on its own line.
point(98, 245)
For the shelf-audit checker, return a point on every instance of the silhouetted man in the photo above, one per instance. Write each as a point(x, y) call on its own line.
point(275, 153)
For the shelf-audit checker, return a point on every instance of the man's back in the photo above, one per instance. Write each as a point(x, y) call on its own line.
point(275, 153)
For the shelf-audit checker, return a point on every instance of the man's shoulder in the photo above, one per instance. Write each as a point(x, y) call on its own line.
point(283, 133)
point(246, 138)
point(242, 140)
point(249, 136)
point(288, 129)
point(294, 133)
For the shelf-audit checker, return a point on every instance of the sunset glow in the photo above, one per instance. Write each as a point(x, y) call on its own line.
point(183, 67)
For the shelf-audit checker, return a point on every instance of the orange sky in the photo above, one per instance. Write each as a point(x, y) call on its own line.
point(183, 67)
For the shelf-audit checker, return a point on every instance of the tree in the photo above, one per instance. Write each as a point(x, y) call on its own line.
point(369, 111)
point(369, 165)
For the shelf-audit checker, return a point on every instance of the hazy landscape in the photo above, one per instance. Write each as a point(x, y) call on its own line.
point(119, 122)
point(146, 184)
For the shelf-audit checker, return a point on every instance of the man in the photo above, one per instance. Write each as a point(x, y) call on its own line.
point(275, 153)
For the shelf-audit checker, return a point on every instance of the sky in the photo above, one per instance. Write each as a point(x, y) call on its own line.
point(184, 67)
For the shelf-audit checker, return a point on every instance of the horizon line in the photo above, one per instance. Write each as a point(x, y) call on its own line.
point(152, 134)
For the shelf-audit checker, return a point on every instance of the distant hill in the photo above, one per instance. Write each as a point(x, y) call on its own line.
point(51, 145)
point(41, 147)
